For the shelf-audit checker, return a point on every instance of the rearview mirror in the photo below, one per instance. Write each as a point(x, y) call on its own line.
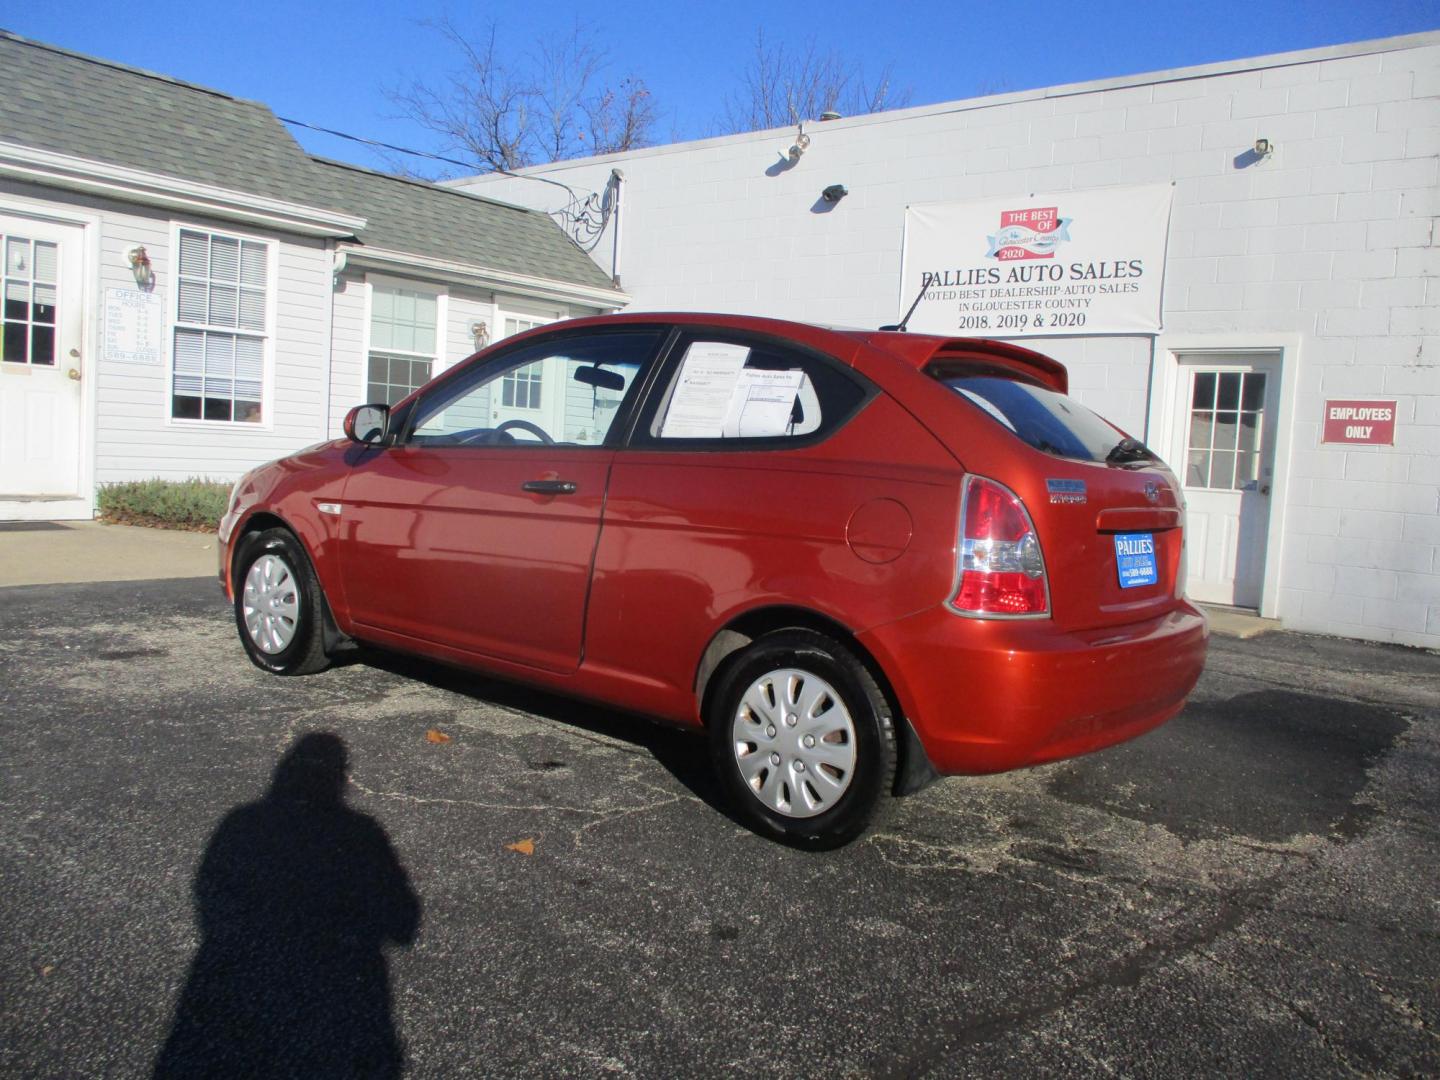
point(600, 378)
point(367, 424)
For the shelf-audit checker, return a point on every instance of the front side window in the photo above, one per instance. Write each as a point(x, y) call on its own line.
point(402, 342)
point(588, 378)
point(755, 394)
point(221, 316)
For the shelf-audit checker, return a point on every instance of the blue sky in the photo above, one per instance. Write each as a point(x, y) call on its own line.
point(330, 62)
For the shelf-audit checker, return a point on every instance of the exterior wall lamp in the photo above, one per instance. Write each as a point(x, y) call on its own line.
point(140, 266)
point(480, 332)
point(1264, 148)
point(834, 193)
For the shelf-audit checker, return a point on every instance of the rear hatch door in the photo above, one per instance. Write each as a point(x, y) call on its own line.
point(1107, 511)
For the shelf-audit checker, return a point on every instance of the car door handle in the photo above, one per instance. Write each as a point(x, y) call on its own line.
point(549, 487)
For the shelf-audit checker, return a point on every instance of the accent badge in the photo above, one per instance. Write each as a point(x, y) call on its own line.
point(1066, 491)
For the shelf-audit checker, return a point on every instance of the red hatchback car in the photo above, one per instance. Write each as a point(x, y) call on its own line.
point(857, 559)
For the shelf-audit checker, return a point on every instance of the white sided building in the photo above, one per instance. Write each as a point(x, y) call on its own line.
point(186, 293)
point(1236, 262)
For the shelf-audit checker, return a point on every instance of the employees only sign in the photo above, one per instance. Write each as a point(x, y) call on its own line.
point(1360, 423)
point(1085, 262)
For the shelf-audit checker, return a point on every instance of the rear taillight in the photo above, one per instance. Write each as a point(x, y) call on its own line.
point(1001, 568)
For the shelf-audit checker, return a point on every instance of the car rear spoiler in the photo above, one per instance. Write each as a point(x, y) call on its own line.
point(1024, 362)
point(925, 352)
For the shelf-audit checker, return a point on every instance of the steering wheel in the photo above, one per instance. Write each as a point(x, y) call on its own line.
point(525, 425)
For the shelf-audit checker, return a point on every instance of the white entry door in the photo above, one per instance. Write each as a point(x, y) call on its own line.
point(1227, 408)
point(534, 393)
point(40, 362)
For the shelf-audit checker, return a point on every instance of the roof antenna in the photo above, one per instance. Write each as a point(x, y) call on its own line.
point(900, 326)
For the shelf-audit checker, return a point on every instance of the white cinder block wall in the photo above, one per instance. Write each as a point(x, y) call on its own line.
point(1329, 244)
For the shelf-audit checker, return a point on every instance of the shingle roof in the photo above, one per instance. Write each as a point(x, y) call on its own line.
point(421, 218)
point(71, 104)
point(89, 108)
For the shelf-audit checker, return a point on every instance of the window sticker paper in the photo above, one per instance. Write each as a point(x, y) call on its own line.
point(708, 380)
point(762, 404)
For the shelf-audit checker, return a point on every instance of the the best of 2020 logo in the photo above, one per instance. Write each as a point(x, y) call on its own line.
point(1033, 233)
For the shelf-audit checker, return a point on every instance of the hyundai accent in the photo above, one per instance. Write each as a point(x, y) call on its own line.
point(856, 560)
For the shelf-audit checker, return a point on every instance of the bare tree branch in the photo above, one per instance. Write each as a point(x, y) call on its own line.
point(509, 112)
point(620, 118)
point(782, 86)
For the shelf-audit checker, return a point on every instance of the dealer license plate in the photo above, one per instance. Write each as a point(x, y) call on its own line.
point(1135, 558)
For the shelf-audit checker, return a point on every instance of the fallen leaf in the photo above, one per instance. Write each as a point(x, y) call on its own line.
point(435, 735)
point(44, 971)
point(524, 847)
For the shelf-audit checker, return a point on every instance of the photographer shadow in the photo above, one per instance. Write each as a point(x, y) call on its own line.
point(296, 897)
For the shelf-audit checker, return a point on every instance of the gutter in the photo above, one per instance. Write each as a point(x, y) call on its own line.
point(134, 185)
point(402, 263)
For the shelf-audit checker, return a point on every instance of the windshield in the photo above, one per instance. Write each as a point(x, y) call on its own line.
point(1043, 418)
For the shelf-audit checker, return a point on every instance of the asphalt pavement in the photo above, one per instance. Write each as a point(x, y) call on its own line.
point(396, 867)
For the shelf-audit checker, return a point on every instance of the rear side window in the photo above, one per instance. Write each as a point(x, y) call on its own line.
point(1047, 420)
point(750, 394)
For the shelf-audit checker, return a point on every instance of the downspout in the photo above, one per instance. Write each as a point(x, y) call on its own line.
point(337, 267)
point(617, 178)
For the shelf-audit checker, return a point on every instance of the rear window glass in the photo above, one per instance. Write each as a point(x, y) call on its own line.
point(1047, 420)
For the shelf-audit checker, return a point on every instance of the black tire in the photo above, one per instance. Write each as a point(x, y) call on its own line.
point(304, 652)
point(822, 824)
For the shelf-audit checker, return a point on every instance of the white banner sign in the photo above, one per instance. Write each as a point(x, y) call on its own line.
point(1084, 262)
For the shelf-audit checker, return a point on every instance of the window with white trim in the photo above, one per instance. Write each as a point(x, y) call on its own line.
point(402, 342)
point(221, 316)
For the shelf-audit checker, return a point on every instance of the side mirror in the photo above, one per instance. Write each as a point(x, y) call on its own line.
point(367, 424)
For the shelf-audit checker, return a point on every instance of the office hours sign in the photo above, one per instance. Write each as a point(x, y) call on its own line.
point(1083, 262)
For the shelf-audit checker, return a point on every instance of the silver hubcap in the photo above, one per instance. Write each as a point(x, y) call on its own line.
point(794, 742)
point(271, 603)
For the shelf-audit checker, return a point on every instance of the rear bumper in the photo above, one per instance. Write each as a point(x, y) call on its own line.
point(990, 695)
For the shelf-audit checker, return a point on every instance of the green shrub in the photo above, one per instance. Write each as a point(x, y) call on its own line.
point(195, 504)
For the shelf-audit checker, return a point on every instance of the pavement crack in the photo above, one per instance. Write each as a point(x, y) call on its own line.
point(1124, 973)
point(422, 800)
point(1301, 1013)
point(631, 812)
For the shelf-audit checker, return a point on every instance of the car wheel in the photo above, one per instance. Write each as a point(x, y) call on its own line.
point(802, 739)
point(278, 604)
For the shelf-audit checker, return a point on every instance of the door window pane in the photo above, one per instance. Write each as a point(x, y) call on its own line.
point(1253, 397)
point(1197, 468)
point(1204, 394)
point(29, 291)
point(1224, 439)
point(1225, 425)
point(1228, 391)
point(521, 388)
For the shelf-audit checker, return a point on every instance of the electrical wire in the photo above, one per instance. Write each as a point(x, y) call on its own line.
point(425, 154)
point(584, 220)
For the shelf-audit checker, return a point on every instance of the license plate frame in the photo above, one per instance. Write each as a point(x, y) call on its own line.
point(1135, 561)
